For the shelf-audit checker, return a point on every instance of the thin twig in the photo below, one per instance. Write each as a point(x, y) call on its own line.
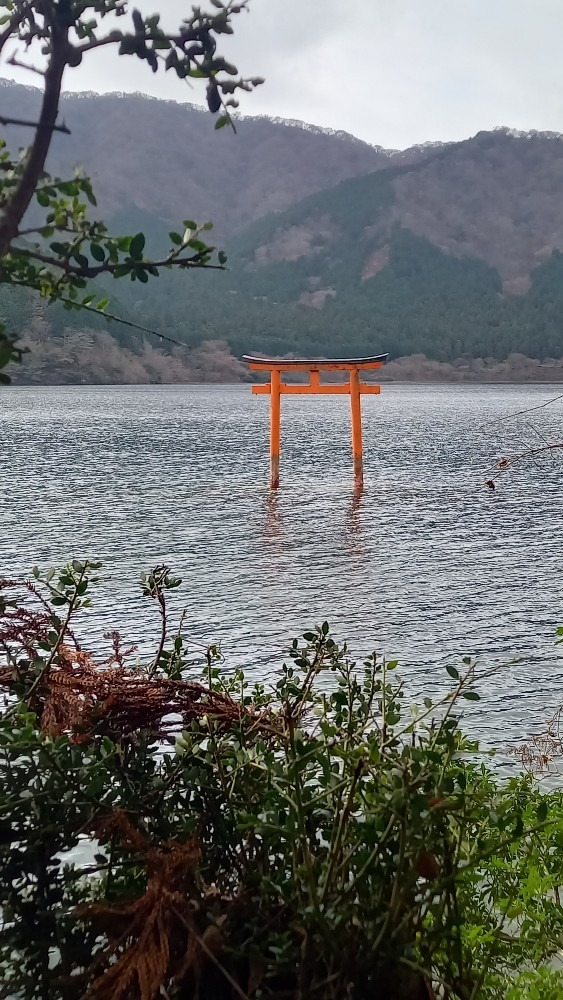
point(201, 942)
point(163, 632)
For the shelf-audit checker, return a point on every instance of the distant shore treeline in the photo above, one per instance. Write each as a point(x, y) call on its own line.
point(95, 357)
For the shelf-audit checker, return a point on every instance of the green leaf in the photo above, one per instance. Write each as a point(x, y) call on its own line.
point(102, 304)
point(471, 695)
point(137, 246)
point(452, 672)
point(176, 238)
point(392, 718)
point(90, 195)
point(197, 245)
point(222, 121)
point(98, 252)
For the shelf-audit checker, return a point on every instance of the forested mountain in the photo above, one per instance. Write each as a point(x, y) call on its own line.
point(450, 251)
point(496, 197)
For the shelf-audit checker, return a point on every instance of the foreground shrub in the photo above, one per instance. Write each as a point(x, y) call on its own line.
point(168, 830)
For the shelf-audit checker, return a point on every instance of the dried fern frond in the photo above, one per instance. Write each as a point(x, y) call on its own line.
point(80, 697)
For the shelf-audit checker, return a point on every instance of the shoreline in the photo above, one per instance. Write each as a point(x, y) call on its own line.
point(227, 382)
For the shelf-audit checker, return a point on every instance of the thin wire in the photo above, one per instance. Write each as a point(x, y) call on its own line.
point(144, 329)
point(126, 322)
point(112, 317)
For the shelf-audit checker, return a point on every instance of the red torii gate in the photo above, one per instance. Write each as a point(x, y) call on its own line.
point(276, 388)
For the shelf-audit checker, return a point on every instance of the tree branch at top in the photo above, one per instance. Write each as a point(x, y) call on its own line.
point(66, 32)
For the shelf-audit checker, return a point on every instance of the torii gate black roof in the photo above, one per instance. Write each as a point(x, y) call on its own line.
point(314, 361)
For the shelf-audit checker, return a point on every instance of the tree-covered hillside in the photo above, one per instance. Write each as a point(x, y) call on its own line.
point(455, 254)
point(421, 301)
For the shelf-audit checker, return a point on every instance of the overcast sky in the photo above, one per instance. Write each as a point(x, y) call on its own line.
point(393, 72)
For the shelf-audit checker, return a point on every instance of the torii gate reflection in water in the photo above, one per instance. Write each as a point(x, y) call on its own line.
point(275, 388)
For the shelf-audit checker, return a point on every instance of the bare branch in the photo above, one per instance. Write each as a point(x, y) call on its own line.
point(14, 61)
point(28, 124)
point(96, 269)
point(16, 19)
point(37, 231)
point(528, 453)
point(110, 39)
point(505, 463)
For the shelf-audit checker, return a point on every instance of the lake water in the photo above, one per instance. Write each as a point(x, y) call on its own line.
point(426, 565)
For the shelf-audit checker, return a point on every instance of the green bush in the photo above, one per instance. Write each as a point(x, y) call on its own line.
point(167, 836)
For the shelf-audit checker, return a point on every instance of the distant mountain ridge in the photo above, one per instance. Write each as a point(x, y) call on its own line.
point(497, 197)
point(451, 250)
point(166, 157)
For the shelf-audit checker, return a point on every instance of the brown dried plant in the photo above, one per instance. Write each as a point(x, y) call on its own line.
point(164, 932)
point(78, 696)
point(71, 692)
point(149, 940)
point(542, 749)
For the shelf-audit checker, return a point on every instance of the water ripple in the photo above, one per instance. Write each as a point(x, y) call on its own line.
point(425, 564)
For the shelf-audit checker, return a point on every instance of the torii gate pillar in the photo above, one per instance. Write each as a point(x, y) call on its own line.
point(355, 388)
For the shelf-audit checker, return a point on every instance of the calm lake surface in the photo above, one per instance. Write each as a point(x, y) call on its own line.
point(426, 565)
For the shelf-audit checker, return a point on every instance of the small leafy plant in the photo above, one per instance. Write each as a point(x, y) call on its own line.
point(169, 829)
